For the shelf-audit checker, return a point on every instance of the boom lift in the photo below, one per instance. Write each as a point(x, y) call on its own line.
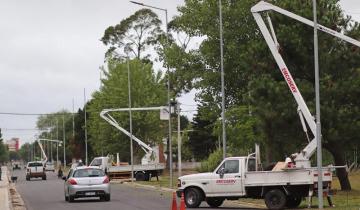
point(150, 154)
point(44, 158)
point(301, 158)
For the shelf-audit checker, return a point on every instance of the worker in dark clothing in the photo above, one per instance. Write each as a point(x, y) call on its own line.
point(0, 172)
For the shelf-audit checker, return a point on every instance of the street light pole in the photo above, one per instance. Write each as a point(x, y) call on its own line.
point(317, 99)
point(179, 140)
point(63, 118)
point(86, 146)
point(222, 82)
point(130, 121)
point(168, 89)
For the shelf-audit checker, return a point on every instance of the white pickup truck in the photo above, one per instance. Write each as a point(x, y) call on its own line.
point(35, 169)
point(236, 177)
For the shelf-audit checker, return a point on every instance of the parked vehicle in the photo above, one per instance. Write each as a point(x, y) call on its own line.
point(16, 165)
point(141, 172)
point(86, 181)
point(35, 169)
point(50, 166)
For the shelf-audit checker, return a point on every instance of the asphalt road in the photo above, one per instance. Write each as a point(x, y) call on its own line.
point(44, 195)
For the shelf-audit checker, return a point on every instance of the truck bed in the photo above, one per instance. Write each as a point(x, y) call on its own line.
point(285, 177)
point(149, 167)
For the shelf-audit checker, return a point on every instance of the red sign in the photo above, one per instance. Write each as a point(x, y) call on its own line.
point(225, 181)
point(289, 80)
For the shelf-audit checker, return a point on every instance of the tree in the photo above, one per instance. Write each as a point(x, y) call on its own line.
point(3, 150)
point(147, 90)
point(133, 35)
point(254, 81)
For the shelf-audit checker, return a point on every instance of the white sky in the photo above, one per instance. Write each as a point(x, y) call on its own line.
point(50, 51)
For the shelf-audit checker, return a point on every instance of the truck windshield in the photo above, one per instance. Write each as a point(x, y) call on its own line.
point(96, 162)
point(35, 164)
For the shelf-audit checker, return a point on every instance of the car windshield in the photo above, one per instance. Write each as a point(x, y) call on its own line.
point(88, 172)
point(35, 164)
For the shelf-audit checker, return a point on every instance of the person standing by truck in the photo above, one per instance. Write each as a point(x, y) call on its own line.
point(0, 172)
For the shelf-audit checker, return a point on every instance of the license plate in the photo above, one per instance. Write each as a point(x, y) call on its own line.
point(90, 193)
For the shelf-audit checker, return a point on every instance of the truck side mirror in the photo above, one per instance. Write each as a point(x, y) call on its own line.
point(222, 172)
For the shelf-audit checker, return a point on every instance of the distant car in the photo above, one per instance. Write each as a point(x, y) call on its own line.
point(50, 167)
point(35, 169)
point(16, 165)
point(86, 181)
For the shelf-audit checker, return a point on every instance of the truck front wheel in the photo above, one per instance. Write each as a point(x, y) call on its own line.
point(275, 199)
point(214, 202)
point(193, 197)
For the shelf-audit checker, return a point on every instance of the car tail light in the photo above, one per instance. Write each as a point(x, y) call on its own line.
point(72, 182)
point(106, 180)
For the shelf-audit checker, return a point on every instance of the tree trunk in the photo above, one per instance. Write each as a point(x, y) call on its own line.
point(338, 154)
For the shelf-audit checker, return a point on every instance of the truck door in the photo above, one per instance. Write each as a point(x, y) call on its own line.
point(229, 179)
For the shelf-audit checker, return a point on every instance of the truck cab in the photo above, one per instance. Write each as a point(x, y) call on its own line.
point(227, 180)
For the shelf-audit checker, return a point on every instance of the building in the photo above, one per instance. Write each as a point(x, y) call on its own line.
point(13, 144)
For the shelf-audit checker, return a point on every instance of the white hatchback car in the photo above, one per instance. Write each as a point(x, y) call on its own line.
point(86, 181)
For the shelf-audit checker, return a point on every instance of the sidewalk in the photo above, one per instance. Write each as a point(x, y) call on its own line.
point(4, 190)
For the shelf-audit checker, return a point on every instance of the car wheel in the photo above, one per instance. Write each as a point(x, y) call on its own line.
point(71, 198)
point(44, 178)
point(193, 197)
point(66, 198)
point(275, 199)
point(293, 201)
point(107, 197)
point(214, 202)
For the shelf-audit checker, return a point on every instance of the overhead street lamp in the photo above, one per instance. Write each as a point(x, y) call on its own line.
point(168, 86)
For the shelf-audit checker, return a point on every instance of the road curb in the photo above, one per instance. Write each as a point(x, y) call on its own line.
point(4, 190)
point(15, 200)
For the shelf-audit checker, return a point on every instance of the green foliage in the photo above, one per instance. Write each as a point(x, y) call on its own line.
point(133, 35)
point(147, 90)
point(3, 150)
point(213, 160)
point(25, 151)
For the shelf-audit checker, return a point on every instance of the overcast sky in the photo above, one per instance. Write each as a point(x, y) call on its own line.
point(50, 51)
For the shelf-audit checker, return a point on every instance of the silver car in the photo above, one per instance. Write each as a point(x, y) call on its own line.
point(86, 181)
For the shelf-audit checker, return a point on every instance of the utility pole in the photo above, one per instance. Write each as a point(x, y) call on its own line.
point(222, 82)
point(317, 98)
point(86, 146)
point(57, 145)
point(63, 118)
point(130, 121)
point(179, 140)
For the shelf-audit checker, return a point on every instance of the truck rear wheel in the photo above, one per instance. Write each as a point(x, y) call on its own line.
point(293, 201)
point(214, 202)
point(140, 176)
point(275, 199)
point(193, 197)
